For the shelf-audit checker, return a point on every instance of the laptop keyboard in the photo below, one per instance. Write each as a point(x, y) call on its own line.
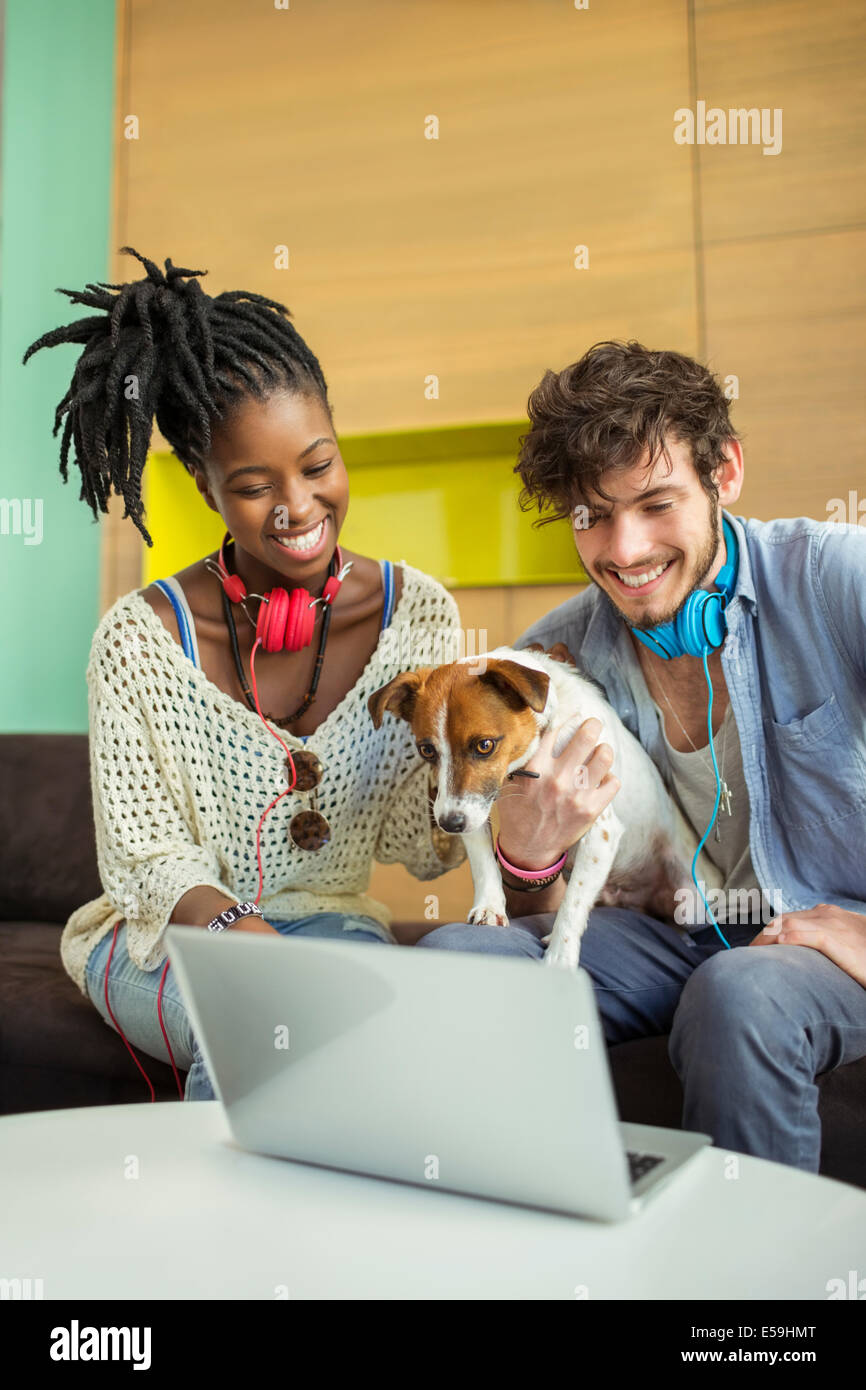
point(641, 1164)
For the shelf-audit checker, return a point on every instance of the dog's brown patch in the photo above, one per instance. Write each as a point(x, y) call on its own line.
point(497, 703)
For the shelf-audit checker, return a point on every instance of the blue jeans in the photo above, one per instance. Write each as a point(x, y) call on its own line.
point(132, 994)
point(749, 1030)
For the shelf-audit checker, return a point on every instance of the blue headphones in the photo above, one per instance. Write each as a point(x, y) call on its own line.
point(700, 625)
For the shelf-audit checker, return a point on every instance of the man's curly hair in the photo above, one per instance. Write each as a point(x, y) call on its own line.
point(604, 411)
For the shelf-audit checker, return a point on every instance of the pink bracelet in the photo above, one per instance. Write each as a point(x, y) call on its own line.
point(524, 873)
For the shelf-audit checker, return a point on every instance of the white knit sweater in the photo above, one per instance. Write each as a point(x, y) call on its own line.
point(181, 773)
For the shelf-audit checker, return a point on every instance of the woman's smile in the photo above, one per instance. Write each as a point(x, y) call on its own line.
point(307, 545)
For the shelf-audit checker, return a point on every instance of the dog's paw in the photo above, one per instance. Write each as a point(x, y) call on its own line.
point(487, 917)
point(562, 954)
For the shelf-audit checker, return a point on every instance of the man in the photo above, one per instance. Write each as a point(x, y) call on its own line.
point(637, 448)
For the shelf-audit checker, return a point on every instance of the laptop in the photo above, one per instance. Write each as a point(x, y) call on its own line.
point(477, 1074)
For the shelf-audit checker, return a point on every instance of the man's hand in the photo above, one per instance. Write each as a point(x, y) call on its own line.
point(541, 817)
point(838, 934)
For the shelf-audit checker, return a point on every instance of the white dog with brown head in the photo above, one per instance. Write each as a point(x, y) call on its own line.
point(477, 721)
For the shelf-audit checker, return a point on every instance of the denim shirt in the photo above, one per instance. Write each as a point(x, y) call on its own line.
point(794, 661)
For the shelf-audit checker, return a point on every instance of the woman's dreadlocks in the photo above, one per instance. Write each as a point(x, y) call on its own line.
point(165, 348)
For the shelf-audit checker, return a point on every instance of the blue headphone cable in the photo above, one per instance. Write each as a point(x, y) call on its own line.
point(716, 804)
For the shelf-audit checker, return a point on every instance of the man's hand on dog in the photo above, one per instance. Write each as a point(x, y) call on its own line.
point(541, 817)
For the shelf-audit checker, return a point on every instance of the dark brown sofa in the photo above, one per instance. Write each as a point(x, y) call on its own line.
point(55, 1050)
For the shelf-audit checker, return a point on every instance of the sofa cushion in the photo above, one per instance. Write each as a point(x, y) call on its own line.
point(55, 1049)
point(46, 827)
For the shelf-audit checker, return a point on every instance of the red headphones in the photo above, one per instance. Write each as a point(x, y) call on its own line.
point(285, 618)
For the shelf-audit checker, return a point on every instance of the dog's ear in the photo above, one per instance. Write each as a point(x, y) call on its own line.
point(519, 685)
point(398, 696)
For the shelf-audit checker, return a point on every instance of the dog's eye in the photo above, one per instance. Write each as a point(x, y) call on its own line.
point(485, 745)
point(427, 751)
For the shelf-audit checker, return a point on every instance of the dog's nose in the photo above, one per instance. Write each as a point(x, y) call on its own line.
point(453, 823)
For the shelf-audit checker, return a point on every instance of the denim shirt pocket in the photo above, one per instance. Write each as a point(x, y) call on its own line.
point(816, 772)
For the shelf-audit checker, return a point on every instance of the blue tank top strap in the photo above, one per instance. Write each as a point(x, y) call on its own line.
point(185, 622)
point(388, 578)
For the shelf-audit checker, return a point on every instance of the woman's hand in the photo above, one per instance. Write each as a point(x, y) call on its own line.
point(202, 904)
point(253, 924)
point(539, 818)
point(838, 934)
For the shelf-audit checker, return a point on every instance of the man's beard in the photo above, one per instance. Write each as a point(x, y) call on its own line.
point(702, 567)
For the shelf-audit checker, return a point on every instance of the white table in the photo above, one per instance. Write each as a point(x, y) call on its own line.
point(205, 1219)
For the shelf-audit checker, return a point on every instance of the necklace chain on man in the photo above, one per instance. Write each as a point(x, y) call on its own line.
point(725, 792)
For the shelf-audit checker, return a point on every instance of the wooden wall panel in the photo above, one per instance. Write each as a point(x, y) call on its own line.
point(411, 256)
point(122, 548)
point(807, 59)
point(783, 245)
point(788, 316)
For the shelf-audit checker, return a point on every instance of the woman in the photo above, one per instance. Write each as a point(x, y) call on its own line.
point(182, 762)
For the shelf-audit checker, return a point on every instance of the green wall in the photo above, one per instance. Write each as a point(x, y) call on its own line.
point(57, 114)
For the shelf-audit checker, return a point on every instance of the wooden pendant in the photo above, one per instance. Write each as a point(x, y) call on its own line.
point(309, 830)
point(308, 770)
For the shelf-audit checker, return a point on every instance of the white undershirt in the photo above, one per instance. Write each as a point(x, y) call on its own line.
point(694, 786)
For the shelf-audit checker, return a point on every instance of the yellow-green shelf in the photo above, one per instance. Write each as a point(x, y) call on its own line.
point(443, 500)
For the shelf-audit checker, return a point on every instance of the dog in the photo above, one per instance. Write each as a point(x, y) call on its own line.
point(479, 727)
